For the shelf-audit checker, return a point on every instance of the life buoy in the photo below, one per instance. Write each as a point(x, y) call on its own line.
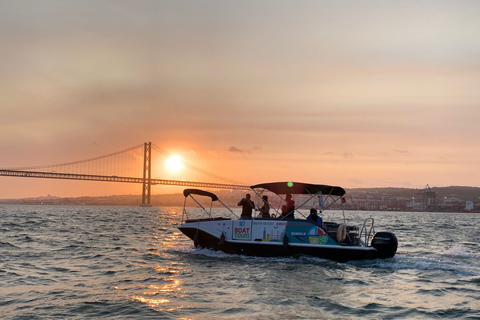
point(341, 232)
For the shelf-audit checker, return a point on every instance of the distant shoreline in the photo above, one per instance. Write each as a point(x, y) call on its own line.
point(444, 199)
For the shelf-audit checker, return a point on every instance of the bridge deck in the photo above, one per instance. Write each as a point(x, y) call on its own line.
point(73, 176)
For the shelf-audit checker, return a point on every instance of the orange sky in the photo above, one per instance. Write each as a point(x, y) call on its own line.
point(369, 94)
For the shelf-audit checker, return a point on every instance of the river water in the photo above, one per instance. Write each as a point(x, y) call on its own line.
point(59, 262)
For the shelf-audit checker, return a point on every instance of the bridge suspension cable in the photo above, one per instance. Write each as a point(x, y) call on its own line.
point(65, 164)
point(126, 163)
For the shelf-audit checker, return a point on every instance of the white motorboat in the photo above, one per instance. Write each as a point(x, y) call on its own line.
point(281, 234)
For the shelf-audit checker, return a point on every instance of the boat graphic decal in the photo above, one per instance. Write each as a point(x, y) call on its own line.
point(317, 236)
point(303, 232)
point(269, 230)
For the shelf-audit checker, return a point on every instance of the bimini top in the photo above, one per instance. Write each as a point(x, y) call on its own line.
point(300, 188)
point(188, 192)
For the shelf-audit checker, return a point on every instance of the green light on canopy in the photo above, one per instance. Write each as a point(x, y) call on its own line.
point(289, 184)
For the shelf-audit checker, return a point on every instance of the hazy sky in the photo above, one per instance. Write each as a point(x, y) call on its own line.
point(350, 93)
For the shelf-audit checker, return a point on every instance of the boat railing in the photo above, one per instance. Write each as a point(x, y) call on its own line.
point(367, 232)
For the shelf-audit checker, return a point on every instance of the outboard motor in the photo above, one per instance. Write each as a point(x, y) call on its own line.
point(385, 243)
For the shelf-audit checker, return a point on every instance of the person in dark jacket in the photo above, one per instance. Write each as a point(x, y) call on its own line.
point(314, 216)
point(247, 207)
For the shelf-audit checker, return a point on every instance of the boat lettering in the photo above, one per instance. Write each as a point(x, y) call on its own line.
point(298, 234)
point(242, 230)
point(242, 233)
point(262, 223)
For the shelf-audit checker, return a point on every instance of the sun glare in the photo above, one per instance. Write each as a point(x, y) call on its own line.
point(174, 163)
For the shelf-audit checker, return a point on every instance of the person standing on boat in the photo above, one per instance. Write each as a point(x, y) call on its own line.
point(288, 211)
point(247, 207)
point(314, 217)
point(265, 209)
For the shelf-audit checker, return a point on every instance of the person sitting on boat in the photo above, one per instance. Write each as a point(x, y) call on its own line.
point(314, 217)
point(247, 207)
point(288, 210)
point(265, 209)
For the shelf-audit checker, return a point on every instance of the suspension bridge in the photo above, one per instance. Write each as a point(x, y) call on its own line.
point(133, 165)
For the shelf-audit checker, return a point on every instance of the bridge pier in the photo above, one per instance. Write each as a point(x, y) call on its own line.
point(147, 174)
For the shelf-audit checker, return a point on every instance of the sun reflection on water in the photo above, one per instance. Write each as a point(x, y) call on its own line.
point(164, 288)
point(156, 296)
point(152, 303)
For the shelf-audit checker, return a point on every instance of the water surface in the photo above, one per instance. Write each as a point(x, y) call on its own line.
point(59, 262)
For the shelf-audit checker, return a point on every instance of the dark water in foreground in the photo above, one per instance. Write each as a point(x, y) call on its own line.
point(132, 263)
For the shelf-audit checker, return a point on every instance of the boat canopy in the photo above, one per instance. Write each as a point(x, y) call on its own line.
point(188, 192)
point(300, 188)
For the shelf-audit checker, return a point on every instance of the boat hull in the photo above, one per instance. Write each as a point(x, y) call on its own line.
point(206, 235)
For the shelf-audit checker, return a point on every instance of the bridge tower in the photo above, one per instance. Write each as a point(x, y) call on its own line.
point(147, 174)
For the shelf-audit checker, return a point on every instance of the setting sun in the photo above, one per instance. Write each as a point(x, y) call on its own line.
point(174, 163)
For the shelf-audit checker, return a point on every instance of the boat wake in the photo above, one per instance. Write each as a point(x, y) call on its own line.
point(467, 266)
point(459, 250)
point(461, 268)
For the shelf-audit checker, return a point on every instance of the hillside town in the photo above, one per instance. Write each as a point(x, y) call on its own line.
point(449, 199)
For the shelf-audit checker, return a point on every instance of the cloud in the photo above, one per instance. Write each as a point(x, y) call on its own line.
point(248, 151)
point(400, 151)
point(235, 149)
